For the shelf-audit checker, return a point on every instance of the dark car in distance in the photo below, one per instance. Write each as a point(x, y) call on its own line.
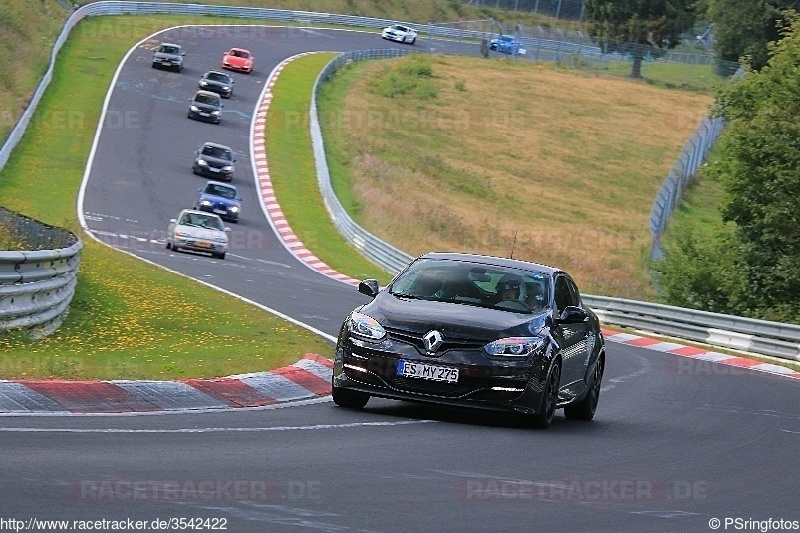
point(168, 55)
point(214, 161)
point(217, 82)
point(205, 106)
point(473, 331)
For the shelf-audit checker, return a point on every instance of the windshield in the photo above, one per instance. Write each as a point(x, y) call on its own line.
point(221, 190)
point(206, 99)
point(169, 50)
point(216, 76)
point(218, 152)
point(201, 220)
point(521, 291)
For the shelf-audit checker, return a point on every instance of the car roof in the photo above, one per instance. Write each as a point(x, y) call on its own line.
point(170, 44)
point(197, 212)
point(215, 145)
point(216, 72)
point(239, 49)
point(491, 261)
point(228, 185)
point(206, 93)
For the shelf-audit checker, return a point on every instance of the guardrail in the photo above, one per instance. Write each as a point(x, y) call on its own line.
point(756, 336)
point(36, 286)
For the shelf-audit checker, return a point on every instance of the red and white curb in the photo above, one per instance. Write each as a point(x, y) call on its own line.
point(269, 202)
point(697, 354)
point(308, 378)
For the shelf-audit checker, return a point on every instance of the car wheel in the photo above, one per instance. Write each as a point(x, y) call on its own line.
point(585, 409)
point(413, 40)
point(169, 246)
point(544, 417)
point(351, 399)
point(174, 247)
point(219, 256)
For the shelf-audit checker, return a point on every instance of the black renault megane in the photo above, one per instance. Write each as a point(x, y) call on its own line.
point(473, 331)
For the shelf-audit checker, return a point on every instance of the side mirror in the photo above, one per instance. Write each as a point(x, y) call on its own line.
point(240, 199)
point(200, 190)
point(573, 315)
point(227, 229)
point(173, 221)
point(370, 287)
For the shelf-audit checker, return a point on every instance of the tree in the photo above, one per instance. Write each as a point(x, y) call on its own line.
point(749, 265)
point(637, 27)
point(743, 28)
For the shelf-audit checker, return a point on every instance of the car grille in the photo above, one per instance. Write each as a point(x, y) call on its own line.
point(449, 343)
point(436, 388)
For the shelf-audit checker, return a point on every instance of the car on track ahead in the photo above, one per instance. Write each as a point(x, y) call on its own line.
point(206, 106)
point(399, 33)
point(214, 161)
point(198, 231)
point(168, 55)
point(220, 198)
point(507, 44)
point(473, 331)
point(238, 59)
point(217, 82)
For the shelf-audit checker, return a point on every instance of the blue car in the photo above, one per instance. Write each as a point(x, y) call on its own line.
point(507, 44)
point(220, 198)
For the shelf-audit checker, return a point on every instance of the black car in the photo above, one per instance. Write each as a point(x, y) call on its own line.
point(217, 82)
point(473, 331)
point(206, 106)
point(214, 161)
point(168, 55)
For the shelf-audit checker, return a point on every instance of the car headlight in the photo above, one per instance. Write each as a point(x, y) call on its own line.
point(194, 108)
point(205, 203)
point(226, 88)
point(202, 162)
point(215, 112)
point(234, 209)
point(365, 326)
point(203, 83)
point(184, 234)
point(227, 168)
point(514, 346)
point(221, 239)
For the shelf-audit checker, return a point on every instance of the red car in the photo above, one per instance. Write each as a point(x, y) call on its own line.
point(238, 59)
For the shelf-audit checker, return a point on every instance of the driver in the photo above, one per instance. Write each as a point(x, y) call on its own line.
point(508, 288)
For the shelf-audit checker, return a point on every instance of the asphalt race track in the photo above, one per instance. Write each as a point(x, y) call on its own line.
point(676, 444)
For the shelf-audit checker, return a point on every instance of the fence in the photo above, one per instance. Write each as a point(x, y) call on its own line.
point(692, 156)
point(36, 285)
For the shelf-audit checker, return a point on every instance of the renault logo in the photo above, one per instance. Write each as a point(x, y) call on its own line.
point(432, 340)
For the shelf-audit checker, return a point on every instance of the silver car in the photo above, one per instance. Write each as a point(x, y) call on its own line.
point(168, 55)
point(198, 231)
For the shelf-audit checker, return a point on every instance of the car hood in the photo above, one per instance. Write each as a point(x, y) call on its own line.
point(453, 319)
point(218, 199)
point(237, 60)
point(202, 233)
point(205, 107)
point(215, 82)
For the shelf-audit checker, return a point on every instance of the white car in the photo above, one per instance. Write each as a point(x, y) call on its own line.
point(198, 231)
point(399, 33)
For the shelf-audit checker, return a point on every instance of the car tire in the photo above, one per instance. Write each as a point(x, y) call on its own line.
point(175, 247)
point(169, 246)
point(544, 416)
point(413, 41)
point(585, 409)
point(219, 256)
point(351, 399)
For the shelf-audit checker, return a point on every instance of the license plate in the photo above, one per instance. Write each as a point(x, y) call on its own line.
point(166, 63)
point(423, 371)
point(202, 245)
point(220, 211)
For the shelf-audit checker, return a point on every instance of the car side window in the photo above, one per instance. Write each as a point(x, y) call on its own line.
point(574, 292)
point(563, 294)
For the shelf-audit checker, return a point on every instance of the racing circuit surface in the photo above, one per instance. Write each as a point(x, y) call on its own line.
point(675, 443)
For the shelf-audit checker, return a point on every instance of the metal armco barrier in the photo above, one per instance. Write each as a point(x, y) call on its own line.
point(37, 286)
